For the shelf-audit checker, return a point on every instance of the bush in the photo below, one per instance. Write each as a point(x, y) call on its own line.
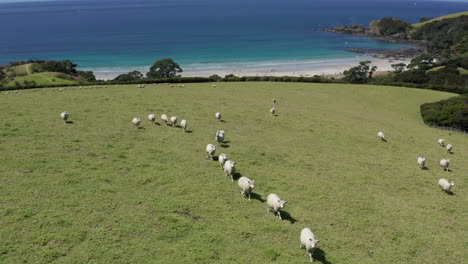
point(452, 112)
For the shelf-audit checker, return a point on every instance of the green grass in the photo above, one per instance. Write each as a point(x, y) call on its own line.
point(100, 191)
point(42, 78)
point(435, 69)
point(465, 13)
point(462, 70)
point(21, 70)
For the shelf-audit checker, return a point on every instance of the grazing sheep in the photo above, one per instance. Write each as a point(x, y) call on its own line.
point(222, 159)
point(449, 148)
point(174, 121)
point(444, 164)
point(210, 151)
point(164, 118)
point(213, 85)
point(308, 242)
point(422, 162)
point(230, 168)
point(445, 185)
point(273, 111)
point(246, 186)
point(183, 124)
point(381, 135)
point(441, 142)
point(218, 116)
point(64, 116)
point(274, 101)
point(219, 137)
point(276, 204)
point(136, 122)
point(152, 118)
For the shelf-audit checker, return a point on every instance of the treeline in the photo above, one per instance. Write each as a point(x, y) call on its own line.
point(452, 112)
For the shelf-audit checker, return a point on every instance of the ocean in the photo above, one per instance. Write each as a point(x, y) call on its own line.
point(119, 36)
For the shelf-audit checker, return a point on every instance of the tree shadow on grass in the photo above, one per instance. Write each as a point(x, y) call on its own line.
point(69, 122)
point(257, 197)
point(286, 216)
point(320, 255)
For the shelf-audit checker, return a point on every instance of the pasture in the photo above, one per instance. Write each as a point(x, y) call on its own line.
point(97, 190)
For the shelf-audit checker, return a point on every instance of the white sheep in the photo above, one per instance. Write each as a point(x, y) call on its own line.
point(64, 116)
point(246, 186)
point(308, 242)
point(449, 148)
point(219, 137)
point(136, 122)
point(421, 162)
point(381, 135)
point(218, 116)
point(213, 85)
point(174, 121)
point(183, 124)
point(441, 142)
point(274, 101)
point(445, 185)
point(210, 151)
point(230, 168)
point(273, 111)
point(275, 204)
point(164, 118)
point(222, 159)
point(152, 118)
point(444, 164)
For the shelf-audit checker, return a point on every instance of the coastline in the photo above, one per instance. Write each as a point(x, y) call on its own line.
point(304, 68)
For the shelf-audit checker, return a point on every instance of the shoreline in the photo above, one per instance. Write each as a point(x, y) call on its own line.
point(299, 68)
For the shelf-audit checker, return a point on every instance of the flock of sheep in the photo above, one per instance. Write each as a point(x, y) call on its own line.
point(444, 184)
point(274, 203)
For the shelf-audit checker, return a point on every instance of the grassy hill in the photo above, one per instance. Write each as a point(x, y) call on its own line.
point(26, 73)
point(100, 191)
point(465, 13)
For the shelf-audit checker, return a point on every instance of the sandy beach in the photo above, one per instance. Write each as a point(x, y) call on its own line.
point(279, 68)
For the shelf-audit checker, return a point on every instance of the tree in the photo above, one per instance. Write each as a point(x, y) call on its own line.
point(2, 74)
point(422, 62)
point(361, 73)
point(131, 76)
point(87, 75)
point(165, 68)
point(399, 67)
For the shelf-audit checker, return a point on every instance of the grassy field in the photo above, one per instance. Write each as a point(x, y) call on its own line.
point(42, 78)
point(465, 13)
point(98, 190)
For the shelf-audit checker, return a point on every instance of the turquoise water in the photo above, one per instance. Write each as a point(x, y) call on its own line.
point(123, 35)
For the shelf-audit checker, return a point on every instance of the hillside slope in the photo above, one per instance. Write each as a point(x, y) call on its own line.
point(98, 190)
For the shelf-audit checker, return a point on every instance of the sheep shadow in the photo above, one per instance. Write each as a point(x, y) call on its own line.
point(215, 158)
point(141, 128)
point(451, 152)
point(157, 123)
point(383, 139)
point(237, 176)
point(69, 122)
point(320, 255)
point(257, 197)
point(225, 145)
point(425, 168)
point(286, 216)
point(188, 131)
point(222, 121)
point(449, 193)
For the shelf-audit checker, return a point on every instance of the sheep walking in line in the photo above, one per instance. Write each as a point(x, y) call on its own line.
point(274, 101)
point(152, 118)
point(449, 148)
point(422, 162)
point(210, 151)
point(183, 124)
point(230, 168)
point(164, 118)
point(246, 186)
point(174, 121)
point(222, 159)
point(136, 122)
point(444, 164)
point(64, 116)
point(381, 135)
point(218, 116)
point(275, 204)
point(445, 185)
point(441, 142)
point(219, 137)
point(309, 242)
point(273, 111)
